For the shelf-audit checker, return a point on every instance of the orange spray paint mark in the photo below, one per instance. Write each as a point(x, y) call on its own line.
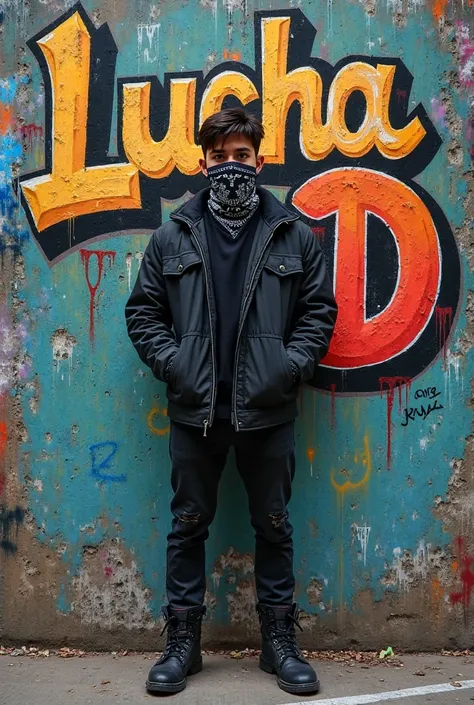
point(6, 118)
point(365, 459)
point(391, 383)
point(156, 411)
point(439, 8)
point(231, 55)
point(437, 590)
point(86, 257)
point(310, 454)
point(437, 596)
point(444, 319)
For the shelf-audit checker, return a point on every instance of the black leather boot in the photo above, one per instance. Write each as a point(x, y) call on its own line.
point(182, 654)
point(280, 652)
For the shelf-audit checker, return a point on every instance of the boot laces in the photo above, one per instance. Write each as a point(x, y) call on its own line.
point(179, 639)
point(284, 637)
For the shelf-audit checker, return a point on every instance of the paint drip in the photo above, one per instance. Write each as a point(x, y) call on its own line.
point(363, 533)
point(86, 257)
point(391, 383)
point(444, 320)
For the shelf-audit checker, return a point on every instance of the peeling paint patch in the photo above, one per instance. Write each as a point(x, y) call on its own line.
point(11, 340)
point(410, 568)
point(63, 345)
point(234, 563)
point(412, 6)
point(8, 349)
point(314, 592)
point(466, 55)
point(424, 442)
point(241, 604)
point(38, 485)
point(114, 597)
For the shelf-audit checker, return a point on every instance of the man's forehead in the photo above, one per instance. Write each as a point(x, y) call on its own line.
point(231, 143)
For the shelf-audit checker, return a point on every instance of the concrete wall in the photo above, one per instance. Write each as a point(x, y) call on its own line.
point(366, 108)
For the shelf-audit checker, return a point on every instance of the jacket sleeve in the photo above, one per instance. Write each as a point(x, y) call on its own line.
point(315, 312)
point(148, 314)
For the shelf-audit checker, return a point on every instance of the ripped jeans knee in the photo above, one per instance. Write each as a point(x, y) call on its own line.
point(278, 519)
point(274, 527)
point(187, 518)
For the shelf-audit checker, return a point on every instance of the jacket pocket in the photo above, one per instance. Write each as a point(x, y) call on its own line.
point(184, 288)
point(276, 295)
point(190, 378)
point(284, 264)
point(268, 379)
point(177, 265)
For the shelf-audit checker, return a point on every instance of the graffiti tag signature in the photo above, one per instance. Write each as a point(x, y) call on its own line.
point(422, 412)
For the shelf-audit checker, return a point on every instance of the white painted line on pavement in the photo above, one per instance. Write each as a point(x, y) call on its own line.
point(391, 695)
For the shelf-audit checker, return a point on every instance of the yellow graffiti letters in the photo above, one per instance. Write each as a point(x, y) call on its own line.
point(362, 457)
point(281, 89)
point(226, 83)
point(317, 140)
point(72, 189)
point(160, 415)
point(376, 86)
point(177, 148)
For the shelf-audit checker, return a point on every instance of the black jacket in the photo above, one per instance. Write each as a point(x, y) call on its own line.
point(288, 312)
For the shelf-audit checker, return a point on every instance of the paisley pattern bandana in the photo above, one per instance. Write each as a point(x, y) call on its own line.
point(233, 199)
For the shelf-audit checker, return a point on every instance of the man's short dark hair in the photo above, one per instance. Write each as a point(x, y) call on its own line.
point(227, 122)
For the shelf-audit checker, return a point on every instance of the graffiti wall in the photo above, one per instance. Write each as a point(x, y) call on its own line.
point(368, 136)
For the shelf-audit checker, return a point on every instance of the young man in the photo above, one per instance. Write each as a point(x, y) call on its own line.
point(233, 309)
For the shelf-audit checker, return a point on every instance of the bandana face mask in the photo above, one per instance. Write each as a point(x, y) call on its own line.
point(233, 199)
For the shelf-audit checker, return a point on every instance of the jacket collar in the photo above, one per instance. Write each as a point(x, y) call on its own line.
point(273, 212)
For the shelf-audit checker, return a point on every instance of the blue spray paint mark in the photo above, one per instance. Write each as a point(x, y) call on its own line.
point(12, 237)
point(10, 520)
point(9, 87)
point(10, 153)
point(105, 464)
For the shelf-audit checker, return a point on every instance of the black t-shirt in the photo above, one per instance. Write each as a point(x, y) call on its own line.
point(229, 259)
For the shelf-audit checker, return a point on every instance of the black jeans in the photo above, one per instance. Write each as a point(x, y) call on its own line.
point(266, 464)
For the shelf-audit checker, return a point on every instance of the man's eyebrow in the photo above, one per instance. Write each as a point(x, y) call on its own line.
point(215, 151)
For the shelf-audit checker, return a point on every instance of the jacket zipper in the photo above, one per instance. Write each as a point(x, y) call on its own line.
point(207, 422)
point(242, 320)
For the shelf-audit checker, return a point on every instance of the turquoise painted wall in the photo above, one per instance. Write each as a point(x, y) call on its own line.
point(83, 427)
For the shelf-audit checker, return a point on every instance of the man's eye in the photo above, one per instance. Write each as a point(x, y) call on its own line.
point(244, 155)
